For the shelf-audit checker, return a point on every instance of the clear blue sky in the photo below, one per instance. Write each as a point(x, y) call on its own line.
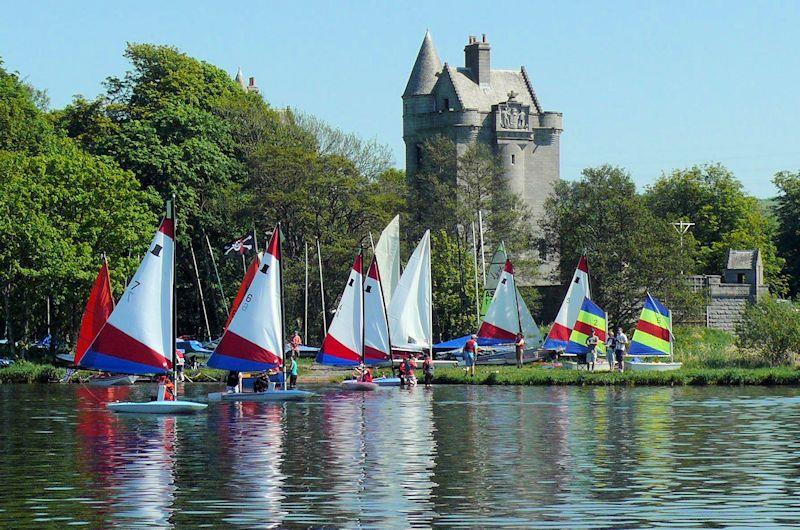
point(649, 86)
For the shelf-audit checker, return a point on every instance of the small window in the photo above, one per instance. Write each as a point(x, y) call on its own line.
point(446, 103)
point(742, 278)
point(513, 159)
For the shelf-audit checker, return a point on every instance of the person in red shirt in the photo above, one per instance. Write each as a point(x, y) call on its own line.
point(427, 369)
point(169, 387)
point(471, 354)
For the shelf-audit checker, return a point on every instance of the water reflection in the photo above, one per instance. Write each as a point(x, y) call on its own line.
point(454, 456)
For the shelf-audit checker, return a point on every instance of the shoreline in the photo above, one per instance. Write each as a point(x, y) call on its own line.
point(27, 372)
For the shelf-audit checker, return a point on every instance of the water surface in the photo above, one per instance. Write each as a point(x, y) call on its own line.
point(546, 457)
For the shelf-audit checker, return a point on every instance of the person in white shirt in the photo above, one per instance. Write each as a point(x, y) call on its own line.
point(619, 348)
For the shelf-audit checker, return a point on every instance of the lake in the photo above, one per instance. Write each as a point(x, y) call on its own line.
point(454, 456)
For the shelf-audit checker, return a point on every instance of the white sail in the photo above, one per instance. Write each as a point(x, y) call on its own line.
point(496, 268)
point(410, 311)
point(531, 332)
point(502, 320)
point(343, 345)
point(376, 328)
point(387, 252)
point(568, 313)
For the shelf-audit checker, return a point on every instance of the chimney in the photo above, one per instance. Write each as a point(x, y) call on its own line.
point(476, 58)
point(252, 86)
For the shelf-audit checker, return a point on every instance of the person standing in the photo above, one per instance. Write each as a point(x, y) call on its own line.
point(519, 347)
point(293, 372)
point(611, 346)
point(591, 355)
point(234, 382)
point(427, 369)
point(295, 342)
point(619, 348)
point(471, 354)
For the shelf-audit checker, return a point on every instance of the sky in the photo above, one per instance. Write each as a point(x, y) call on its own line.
point(648, 86)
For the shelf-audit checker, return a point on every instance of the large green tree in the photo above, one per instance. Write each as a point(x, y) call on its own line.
point(630, 250)
point(787, 211)
point(725, 217)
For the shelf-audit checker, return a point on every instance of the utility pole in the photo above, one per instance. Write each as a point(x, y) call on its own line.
point(682, 227)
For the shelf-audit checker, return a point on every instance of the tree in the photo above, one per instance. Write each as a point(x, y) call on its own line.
point(630, 250)
point(787, 210)
point(724, 216)
point(772, 327)
point(23, 126)
point(452, 269)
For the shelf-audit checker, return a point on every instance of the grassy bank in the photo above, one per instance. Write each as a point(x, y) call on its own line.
point(28, 372)
point(509, 375)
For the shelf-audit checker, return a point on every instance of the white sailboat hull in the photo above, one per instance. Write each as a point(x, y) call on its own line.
point(117, 380)
point(268, 395)
point(651, 367)
point(157, 407)
point(359, 386)
point(387, 381)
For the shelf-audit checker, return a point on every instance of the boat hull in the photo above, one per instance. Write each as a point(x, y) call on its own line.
point(651, 367)
point(359, 386)
point(157, 407)
point(269, 395)
point(119, 380)
point(387, 381)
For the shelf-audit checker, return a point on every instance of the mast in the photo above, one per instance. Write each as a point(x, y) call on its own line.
point(173, 344)
point(283, 326)
point(255, 239)
point(383, 301)
point(516, 302)
point(200, 289)
point(430, 301)
point(322, 290)
point(483, 253)
point(475, 266)
point(361, 293)
point(216, 272)
point(305, 313)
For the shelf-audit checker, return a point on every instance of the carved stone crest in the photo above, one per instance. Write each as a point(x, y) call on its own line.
point(513, 115)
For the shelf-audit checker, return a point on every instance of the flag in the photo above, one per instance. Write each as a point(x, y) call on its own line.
point(652, 335)
point(240, 246)
point(590, 317)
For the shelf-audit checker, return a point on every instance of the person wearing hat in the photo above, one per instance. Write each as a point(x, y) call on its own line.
point(471, 354)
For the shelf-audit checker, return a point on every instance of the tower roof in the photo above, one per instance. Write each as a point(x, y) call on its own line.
point(240, 79)
point(427, 65)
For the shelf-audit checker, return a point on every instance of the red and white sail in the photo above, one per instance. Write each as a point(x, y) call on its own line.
point(98, 309)
point(376, 327)
point(254, 338)
point(138, 338)
point(344, 343)
point(249, 274)
point(411, 310)
point(568, 313)
point(503, 319)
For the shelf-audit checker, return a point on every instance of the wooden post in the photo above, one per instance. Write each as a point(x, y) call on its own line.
point(305, 300)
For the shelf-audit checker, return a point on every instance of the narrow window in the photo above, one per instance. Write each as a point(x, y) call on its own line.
point(742, 278)
point(513, 159)
point(446, 103)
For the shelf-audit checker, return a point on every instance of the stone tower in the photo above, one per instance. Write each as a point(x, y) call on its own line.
point(475, 103)
point(251, 87)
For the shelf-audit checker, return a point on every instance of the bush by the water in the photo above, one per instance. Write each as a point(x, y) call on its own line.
point(28, 372)
point(772, 328)
point(536, 376)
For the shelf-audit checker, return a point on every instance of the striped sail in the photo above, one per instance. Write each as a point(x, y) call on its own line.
point(98, 309)
point(589, 317)
point(652, 336)
point(137, 338)
point(344, 343)
point(376, 328)
point(254, 338)
point(578, 289)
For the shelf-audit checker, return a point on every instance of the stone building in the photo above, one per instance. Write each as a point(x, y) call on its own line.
point(741, 283)
point(476, 103)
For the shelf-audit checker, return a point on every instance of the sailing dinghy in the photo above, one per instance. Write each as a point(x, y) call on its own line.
point(138, 337)
point(506, 316)
point(652, 338)
point(344, 343)
point(253, 339)
point(98, 308)
point(410, 312)
point(558, 337)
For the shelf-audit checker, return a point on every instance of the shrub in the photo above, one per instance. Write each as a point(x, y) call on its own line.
point(772, 328)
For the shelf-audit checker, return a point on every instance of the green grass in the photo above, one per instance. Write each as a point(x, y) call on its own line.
point(698, 347)
point(28, 372)
point(536, 376)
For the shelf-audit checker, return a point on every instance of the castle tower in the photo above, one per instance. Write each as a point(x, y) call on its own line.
point(475, 103)
point(247, 87)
